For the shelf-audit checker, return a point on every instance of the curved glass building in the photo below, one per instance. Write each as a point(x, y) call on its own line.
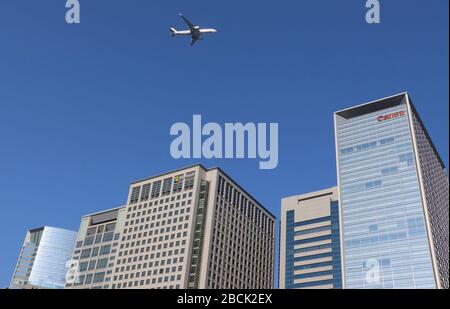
point(42, 263)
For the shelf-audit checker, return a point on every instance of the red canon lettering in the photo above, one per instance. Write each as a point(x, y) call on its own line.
point(391, 116)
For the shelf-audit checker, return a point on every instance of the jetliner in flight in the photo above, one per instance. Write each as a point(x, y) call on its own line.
point(194, 31)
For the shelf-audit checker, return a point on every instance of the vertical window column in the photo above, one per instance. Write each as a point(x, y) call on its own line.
point(290, 225)
point(336, 245)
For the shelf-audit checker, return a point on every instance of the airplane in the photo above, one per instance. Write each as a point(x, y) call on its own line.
point(194, 31)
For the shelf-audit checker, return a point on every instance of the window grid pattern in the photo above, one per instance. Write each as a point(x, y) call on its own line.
point(305, 251)
point(436, 193)
point(96, 255)
point(384, 228)
point(242, 251)
point(153, 248)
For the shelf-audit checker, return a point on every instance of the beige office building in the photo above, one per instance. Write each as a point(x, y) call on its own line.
point(189, 228)
point(310, 255)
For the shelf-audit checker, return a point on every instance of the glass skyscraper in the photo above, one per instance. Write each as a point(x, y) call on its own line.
point(393, 194)
point(43, 258)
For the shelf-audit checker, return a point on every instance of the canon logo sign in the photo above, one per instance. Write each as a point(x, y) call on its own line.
point(391, 116)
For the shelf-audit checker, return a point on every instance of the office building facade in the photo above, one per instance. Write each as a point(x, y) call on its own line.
point(189, 228)
point(96, 248)
point(310, 255)
point(42, 263)
point(393, 197)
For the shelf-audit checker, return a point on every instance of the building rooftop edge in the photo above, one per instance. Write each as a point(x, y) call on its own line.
point(207, 170)
point(170, 172)
point(245, 191)
point(405, 93)
point(312, 194)
point(103, 211)
point(48, 226)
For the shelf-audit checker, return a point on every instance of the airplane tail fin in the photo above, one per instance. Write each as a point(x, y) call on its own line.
point(173, 31)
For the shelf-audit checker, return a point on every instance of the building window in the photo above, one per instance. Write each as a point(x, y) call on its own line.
point(156, 189)
point(89, 240)
point(85, 253)
point(102, 263)
point(145, 192)
point(95, 251)
point(167, 184)
point(99, 277)
point(98, 238)
point(135, 195)
point(178, 184)
point(108, 236)
point(92, 264)
point(189, 182)
point(83, 266)
point(105, 249)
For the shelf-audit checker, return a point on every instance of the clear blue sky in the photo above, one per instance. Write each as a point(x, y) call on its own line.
point(86, 109)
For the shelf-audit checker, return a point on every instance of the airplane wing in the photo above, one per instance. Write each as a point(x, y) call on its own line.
point(190, 25)
point(194, 40)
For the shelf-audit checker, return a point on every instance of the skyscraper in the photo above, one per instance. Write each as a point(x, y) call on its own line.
point(96, 248)
point(43, 257)
point(393, 195)
point(188, 228)
point(310, 255)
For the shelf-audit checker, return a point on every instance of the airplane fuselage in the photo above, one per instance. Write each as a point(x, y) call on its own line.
point(194, 32)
